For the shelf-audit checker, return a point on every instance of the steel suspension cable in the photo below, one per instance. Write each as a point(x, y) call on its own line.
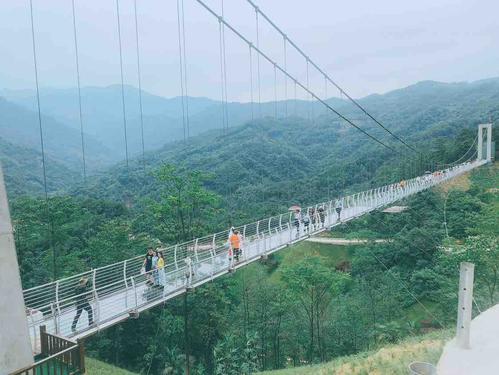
point(295, 99)
point(123, 107)
point(185, 71)
point(258, 64)
point(463, 156)
point(404, 286)
point(222, 86)
point(140, 84)
point(355, 102)
point(40, 127)
point(182, 97)
point(225, 73)
point(275, 92)
point(285, 77)
point(77, 61)
point(325, 89)
point(308, 87)
point(42, 145)
point(268, 59)
point(251, 81)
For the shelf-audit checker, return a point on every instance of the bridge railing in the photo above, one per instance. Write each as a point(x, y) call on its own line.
point(52, 300)
point(60, 356)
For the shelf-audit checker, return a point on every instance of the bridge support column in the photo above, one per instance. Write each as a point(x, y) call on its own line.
point(15, 350)
point(488, 142)
point(466, 275)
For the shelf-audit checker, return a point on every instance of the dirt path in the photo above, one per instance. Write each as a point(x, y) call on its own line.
point(342, 241)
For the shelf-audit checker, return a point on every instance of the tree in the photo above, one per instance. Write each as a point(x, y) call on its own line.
point(236, 356)
point(314, 285)
point(185, 205)
point(483, 252)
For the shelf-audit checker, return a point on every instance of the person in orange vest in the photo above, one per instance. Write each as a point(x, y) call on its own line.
point(235, 245)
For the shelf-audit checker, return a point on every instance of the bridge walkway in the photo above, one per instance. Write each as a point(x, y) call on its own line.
point(120, 290)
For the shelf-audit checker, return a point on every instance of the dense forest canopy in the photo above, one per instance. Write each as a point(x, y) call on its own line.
point(308, 303)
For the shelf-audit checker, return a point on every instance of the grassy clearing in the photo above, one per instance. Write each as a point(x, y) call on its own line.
point(95, 367)
point(332, 253)
point(389, 360)
point(461, 182)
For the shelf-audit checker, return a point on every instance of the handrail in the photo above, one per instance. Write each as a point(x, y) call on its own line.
point(109, 294)
point(71, 354)
point(184, 244)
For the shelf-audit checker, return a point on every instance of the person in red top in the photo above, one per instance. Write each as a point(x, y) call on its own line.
point(235, 245)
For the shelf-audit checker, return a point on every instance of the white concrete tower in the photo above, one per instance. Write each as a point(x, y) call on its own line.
point(488, 143)
point(15, 345)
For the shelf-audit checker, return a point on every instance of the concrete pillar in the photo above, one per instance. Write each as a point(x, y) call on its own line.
point(15, 345)
point(464, 308)
point(488, 143)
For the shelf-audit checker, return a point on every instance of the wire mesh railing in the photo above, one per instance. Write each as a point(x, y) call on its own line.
point(119, 289)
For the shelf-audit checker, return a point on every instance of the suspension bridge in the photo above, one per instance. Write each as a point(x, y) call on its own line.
point(121, 290)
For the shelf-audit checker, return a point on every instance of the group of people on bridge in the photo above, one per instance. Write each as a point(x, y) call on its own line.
point(314, 218)
point(154, 268)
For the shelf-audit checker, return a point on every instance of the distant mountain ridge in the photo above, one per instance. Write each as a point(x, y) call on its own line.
point(162, 117)
point(20, 127)
point(314, 141)
point(22, 168)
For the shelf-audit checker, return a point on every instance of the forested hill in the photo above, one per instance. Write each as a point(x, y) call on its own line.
point(273, 163)
point(20, 126)
point(24, 175)
point(433, 106)
point(266, 160)
point(426, 103)
point(258, 318)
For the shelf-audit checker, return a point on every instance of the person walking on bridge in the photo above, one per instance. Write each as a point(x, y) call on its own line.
point(338, 205)
point(306, 222)
point(322, 216)
point(297, 219)
point(160, 269)
point(148, 265)
point(155, 275)
point(235, 244)
point(81, 301)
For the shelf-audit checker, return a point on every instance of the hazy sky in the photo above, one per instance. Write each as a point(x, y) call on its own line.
point(367, 46)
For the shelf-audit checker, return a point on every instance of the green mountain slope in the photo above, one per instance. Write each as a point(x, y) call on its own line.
point(422, 111)
point(20, 126)
point(388, 360)
point(22, 168)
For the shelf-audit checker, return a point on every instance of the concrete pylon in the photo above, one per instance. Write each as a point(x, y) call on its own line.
point(15, 344)
point(488, 142)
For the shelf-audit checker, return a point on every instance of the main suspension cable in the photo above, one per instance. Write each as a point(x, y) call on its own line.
point(185, 71)
point(285, 77)
point(222, 86)
point(181, 66)
point(355, 102)
point(275, 92)
point(140, 84)
point(258, 64)
point(251, 81)
point(122, 85)
point(272, 62)
point(77, 60)
point(42, 146)
point(225, 73)
point(462, 156)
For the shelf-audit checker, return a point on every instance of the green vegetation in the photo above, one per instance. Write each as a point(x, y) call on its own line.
point(96, 367)
point(389, 360)
point(309, 303)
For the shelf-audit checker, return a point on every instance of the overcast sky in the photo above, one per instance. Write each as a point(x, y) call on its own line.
point(367, 46)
